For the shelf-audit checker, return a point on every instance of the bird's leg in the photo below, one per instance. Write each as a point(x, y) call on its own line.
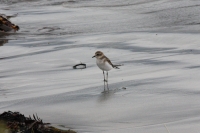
point(107, 81)
point(104, 77)
point(104, 86)
point(104, 80)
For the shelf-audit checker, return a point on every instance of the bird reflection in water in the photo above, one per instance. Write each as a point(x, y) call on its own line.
point(108, 94)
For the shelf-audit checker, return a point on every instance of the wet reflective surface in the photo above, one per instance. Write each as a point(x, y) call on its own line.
point(156, 41)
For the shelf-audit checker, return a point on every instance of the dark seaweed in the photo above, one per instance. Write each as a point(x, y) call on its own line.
point(17, 122)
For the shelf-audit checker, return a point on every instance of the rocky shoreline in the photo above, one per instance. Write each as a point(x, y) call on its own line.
point(15, 122)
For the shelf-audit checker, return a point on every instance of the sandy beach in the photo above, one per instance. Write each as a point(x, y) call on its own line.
point(157, 42)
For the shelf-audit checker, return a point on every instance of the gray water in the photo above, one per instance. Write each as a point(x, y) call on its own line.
point(157, 41)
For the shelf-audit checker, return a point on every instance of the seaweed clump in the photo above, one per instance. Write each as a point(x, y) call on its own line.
point(14, 122)
point(6, 25)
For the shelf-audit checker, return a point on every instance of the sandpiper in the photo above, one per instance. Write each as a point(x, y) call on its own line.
point(104, 64)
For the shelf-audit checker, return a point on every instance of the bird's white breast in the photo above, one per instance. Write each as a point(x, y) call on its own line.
point(105, 66)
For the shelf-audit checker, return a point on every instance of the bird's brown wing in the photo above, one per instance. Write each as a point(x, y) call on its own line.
point(114, 66)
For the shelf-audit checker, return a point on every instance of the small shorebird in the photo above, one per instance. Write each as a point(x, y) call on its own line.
point(104, 64)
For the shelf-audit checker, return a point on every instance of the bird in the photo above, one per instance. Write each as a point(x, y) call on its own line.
point(104, 64)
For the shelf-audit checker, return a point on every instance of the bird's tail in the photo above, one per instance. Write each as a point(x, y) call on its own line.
point(116, 66)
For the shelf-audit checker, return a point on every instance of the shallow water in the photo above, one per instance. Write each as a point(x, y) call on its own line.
point(156, 41)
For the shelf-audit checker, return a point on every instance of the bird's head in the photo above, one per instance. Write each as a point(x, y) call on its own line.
point(98, 54)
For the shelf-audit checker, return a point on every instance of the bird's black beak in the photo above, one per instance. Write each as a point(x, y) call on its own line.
point(93, 56)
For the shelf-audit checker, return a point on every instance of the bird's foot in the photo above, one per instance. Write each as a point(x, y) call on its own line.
point(105, 80)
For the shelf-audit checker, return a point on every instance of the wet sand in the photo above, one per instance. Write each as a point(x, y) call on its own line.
point(156, 41)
